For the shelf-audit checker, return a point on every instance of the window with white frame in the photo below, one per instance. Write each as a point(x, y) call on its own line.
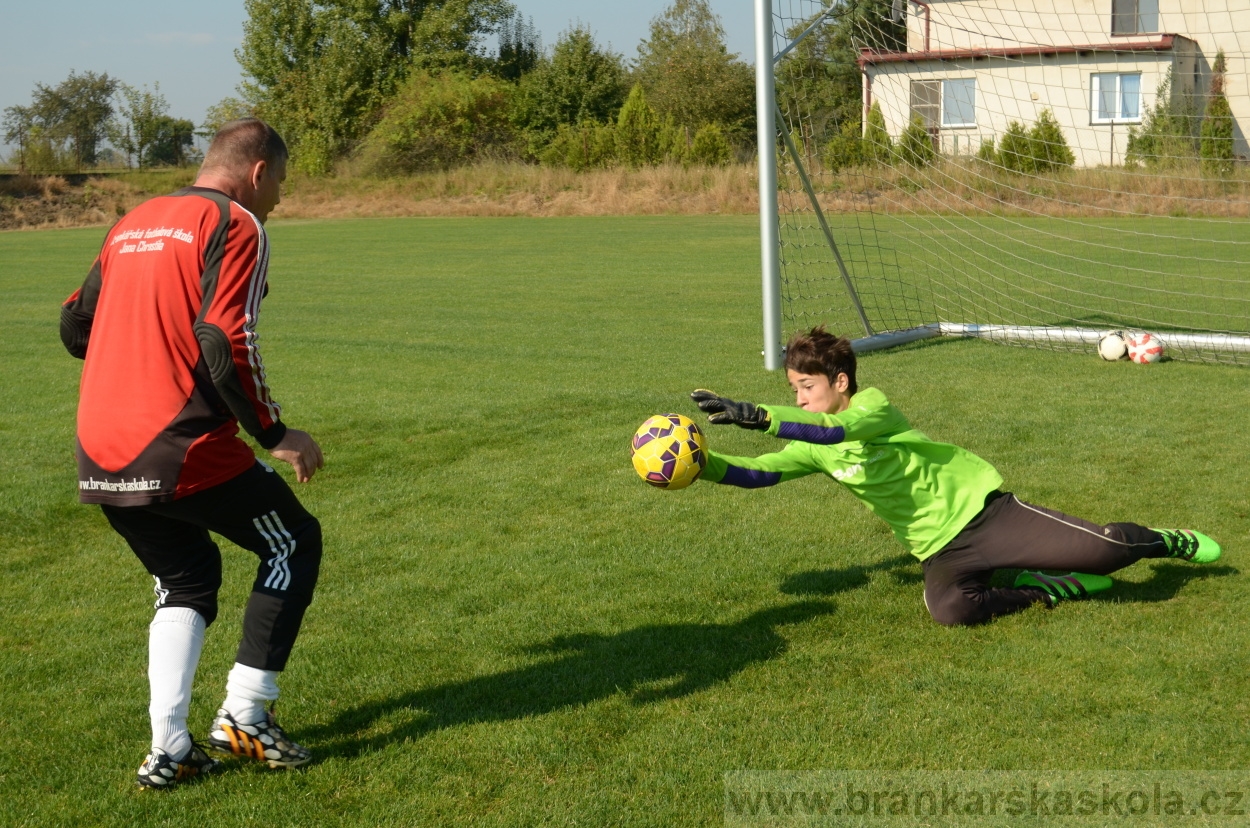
point(1134, 16)
point(926, 103)
point(959, 98)
point(1115, 98)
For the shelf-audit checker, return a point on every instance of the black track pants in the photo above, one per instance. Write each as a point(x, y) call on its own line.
point(1011, 534)
point(256, 510)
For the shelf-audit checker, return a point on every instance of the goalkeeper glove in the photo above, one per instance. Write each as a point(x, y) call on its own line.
point(724, 411)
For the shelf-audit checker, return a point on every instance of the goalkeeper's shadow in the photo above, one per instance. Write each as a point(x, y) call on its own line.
point(643, 665)
point(1166, 582)
point(833, 581)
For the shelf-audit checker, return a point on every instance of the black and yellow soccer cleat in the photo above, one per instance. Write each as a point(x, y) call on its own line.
point(161, 771)
point(264, 741)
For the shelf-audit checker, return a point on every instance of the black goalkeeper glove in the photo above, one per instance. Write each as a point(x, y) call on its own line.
point(724, 411)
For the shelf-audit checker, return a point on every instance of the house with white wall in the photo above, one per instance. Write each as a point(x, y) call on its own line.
point(974, 66)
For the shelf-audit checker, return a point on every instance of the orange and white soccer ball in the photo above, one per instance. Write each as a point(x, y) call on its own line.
point(1144, 348)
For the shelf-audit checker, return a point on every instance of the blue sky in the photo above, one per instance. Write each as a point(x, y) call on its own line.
point(189, 46)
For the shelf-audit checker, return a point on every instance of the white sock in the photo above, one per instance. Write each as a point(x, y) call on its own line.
point(247, 690)
point(175, 639)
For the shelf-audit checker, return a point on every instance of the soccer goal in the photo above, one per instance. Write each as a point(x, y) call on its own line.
point(1034, 172)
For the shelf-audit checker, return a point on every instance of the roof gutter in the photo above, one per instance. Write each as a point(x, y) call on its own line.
point(1163, 44)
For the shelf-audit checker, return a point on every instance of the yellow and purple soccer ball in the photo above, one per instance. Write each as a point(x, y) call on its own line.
point(669, 451)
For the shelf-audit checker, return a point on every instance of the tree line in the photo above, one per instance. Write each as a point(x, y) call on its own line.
point(396, 86)
point(89, 119)
point(403, 85)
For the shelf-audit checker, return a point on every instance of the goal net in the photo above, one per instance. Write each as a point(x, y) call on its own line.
point(1037, 172)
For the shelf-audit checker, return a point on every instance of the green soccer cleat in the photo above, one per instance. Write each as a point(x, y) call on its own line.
point(1068, 587)
point(1189, 545)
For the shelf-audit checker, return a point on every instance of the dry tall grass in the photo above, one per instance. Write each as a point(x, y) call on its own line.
point(968, 186)
point(505, 189)
point(29, 202)
point(502, 189)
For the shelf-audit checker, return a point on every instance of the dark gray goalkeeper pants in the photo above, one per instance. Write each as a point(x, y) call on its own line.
point(256, 510)
point(1011, 534)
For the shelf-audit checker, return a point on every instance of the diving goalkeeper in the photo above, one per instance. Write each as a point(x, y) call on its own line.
point(943, 502)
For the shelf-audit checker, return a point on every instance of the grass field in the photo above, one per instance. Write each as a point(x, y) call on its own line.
point(511, 629)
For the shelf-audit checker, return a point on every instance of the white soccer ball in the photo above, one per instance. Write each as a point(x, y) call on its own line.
point(1112, 346)
point(1145, 348)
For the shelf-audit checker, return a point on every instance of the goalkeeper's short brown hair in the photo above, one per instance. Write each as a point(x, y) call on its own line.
point(820, 352)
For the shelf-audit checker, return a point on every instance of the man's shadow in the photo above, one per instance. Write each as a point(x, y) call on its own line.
point(648, 664)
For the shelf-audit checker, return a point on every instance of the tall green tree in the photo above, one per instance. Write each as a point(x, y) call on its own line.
point(1216, 146)
point(520, 48)
point(75, 113)
point(820, 77)
point(171, 142)
point(227, 109)
point(19, 128)
point(689, 73)
point(144, 117)
point(580, 82)
point(319, 70)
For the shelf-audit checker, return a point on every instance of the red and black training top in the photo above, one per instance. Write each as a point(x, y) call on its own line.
point(166, 322)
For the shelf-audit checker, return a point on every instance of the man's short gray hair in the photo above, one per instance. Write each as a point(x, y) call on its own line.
point(240, 144)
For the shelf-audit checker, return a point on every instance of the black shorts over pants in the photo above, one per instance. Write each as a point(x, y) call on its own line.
point(256, 510)
point(1011, 534)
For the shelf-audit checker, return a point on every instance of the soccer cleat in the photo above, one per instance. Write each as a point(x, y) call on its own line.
point(160, 770)
point(264, 741)
point(1064, 587)
point(1189, 545)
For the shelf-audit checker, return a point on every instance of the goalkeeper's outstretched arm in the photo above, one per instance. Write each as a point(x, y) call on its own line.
point(792, 462)
point(868, 416)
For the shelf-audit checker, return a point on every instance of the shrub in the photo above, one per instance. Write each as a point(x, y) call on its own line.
point(987, 153)
point(674, 142)
point(846, 149)
point(1165, 137)
point(440, 120)
point(915, 145)
point(877, 144)
point(637, 131)
point(1015, 150)
point(1047, 146)
point(710, 147)
point(581, 146)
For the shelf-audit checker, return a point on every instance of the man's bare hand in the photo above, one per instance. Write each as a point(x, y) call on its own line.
point(300, 450)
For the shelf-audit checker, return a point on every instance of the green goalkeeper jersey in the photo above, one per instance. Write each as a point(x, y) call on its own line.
point(926, 491)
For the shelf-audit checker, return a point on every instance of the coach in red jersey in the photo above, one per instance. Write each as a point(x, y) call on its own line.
point(166, 324)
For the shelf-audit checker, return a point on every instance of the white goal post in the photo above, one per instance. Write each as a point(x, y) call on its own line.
point(1033, 172)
